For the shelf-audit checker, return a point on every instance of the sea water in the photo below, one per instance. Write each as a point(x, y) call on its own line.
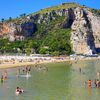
point(62, 81)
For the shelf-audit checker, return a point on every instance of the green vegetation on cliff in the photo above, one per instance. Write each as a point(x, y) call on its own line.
point(60, 7)
point(96, 12)
point(57, 42)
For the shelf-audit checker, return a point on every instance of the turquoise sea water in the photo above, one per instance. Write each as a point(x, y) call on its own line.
point(62, 81)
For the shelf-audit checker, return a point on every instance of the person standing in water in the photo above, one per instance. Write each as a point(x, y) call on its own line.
point(98, 75)
point(26, 69)
point(2, 79)
point(29, 69)
point(95, 83)
point(5, 75)
point(89, 83)
point(18, 71)
point(80, 70)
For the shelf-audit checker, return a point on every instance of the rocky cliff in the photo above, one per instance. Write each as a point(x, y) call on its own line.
point(84, 25)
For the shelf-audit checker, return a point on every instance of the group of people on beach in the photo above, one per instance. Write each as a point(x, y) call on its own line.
point(24, 70)
point(4, 76)
point(96, 83)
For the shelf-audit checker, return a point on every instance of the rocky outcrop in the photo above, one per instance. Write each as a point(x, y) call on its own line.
point(85, 34)
point(95, 24)
point(82, 34)
point(17, 31)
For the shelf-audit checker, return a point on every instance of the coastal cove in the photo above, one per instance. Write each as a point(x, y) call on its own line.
point(60, 81)
point(51, 51)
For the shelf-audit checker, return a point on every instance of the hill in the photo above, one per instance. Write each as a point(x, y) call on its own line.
point(59, 30)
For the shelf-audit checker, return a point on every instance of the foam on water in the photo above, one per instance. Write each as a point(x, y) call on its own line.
point(27, 75)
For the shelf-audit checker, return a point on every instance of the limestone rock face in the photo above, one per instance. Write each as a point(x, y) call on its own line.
point(82, 34)
point(28, 28)
point(85, 34)
point(14, 31)
point(3, 29)
point(95, 24)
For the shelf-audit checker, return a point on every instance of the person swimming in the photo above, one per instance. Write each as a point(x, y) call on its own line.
point(19, 91)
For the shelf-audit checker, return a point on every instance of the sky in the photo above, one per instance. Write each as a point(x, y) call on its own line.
point(14, 8)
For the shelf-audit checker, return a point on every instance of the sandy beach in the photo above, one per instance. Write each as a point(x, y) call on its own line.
point(9, 63)
point(13, 62)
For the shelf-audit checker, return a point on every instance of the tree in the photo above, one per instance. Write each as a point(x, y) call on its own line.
point(58, 42)
point(10, 18)
point(23, 15)
point(44, 50)
point(28, 51)
point(2, 20)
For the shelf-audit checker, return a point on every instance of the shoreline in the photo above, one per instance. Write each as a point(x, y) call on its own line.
point(10, 64)
point(6, 64)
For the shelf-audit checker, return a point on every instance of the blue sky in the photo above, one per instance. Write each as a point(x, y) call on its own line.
point(14, 8)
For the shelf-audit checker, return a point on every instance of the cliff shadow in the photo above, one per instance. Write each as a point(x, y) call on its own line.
point(90, 37)
point(70, 19)
point(98, 50)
